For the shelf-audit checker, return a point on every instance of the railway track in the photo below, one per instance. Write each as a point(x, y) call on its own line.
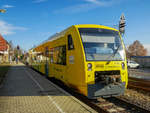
point(118, 105)
point(107, 105)
point(138, 87)
point(139, 84)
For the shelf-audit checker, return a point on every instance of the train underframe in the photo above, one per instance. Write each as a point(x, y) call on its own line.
point(107, 84)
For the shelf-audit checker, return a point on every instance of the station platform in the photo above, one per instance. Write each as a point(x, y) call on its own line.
point(26, 91)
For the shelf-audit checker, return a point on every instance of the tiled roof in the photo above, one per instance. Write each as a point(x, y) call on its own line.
point(3, 44)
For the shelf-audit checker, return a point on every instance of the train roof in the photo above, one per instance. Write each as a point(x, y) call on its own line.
point(53, 37)
point(58, 35)
point(94, 26)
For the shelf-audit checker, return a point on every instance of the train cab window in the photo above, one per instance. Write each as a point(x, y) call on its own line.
point(70, 43)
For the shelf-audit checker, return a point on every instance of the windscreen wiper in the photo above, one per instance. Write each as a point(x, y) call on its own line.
point(113, 54)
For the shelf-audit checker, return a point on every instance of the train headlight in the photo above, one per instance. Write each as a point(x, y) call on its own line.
point(89, 65)
point(123, 65)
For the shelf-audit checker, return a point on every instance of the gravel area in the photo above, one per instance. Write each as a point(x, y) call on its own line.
point(137, 98)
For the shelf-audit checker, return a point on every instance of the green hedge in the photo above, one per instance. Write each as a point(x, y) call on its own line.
point(3, 71)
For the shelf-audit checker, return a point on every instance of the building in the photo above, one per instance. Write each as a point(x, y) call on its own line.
point(4, 50)
point(147, 46)
point(144, 61)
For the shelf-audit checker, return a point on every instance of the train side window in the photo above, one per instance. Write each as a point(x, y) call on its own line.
point(60, 55)
point(70, 43)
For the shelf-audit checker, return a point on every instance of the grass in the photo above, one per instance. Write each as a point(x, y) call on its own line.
point(3, 70)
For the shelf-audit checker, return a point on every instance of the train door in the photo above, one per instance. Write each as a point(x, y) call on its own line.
point(70, 60)
point(47, 62)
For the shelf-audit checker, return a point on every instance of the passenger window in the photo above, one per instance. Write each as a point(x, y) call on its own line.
point(70, 43)
point(60, 55)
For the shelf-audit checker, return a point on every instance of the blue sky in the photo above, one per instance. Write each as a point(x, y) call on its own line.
point(29, 22)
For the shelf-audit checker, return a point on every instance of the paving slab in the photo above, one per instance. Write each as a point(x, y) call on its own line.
point(26, 91)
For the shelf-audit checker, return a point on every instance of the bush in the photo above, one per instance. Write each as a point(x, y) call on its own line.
point(3, 71)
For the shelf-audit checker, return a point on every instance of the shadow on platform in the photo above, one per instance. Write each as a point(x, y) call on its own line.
point(24, 81)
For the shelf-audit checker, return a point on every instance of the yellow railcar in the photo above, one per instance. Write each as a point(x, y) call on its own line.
point(89, 58)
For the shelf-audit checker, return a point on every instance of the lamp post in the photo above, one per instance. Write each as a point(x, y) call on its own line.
point(2, 10)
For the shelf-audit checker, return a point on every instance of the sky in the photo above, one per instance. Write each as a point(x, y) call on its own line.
point(29, 22)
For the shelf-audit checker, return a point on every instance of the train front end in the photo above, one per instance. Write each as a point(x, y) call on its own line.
point(105, 62)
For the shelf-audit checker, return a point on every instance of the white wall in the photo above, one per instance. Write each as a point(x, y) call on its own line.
point(147, 46)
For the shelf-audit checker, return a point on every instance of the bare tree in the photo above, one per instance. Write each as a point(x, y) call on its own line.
point(18, 51)
point(136, 49)
point(127, 54)
point(11, 45)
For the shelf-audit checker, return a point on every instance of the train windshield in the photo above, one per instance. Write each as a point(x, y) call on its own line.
point(101, 44)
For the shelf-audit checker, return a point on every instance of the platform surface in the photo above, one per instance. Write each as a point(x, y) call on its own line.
point(26, 91)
